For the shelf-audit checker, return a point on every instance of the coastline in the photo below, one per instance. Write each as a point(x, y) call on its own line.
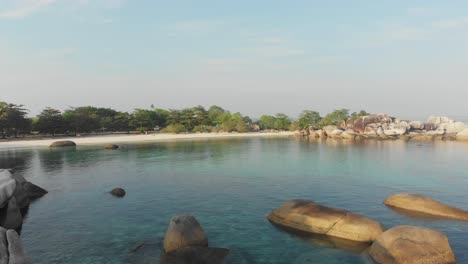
point(114, 139)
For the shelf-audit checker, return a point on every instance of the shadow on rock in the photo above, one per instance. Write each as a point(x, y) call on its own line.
point(326, 241)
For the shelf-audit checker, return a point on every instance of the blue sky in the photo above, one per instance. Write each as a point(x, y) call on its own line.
point(407, 58)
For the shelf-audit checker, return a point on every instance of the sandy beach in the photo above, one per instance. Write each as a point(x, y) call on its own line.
point(115, 139)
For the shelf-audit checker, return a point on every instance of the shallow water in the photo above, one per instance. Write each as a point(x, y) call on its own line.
point(230, 186)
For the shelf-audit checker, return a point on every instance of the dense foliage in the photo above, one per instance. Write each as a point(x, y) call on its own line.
point(89, 119)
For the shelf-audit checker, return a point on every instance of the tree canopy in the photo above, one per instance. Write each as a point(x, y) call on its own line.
point(90, 119)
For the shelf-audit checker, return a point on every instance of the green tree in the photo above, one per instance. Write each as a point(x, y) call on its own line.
point(355, 115)
point(309, 118)
point(13, 119)
point(3, 118)
point(83, 119)
point(50, 121)
point(282, 122)
point(216, 115)
point(144, 119)
point(234, 122)
point(267, 122)
point(335, 117)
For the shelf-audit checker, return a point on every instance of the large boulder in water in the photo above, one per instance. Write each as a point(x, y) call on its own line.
point(7, 187)
point(33, 191)
point(184, 231)
point(412, 245)
point(15, 249)
point(195, 255)
point(307, 216)
point(425, 205)
point(63, 143)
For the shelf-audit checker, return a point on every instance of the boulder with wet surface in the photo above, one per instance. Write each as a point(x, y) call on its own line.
point(309, 217)
point(424, 206)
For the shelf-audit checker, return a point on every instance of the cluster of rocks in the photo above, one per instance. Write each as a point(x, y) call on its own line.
point(15, 196)
point(382, 126)
point(398, 245)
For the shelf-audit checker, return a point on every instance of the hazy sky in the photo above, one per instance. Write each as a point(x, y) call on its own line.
point(407, 58)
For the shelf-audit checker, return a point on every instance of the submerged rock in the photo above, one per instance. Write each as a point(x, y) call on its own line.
point(184, 231)
point(63, 143)
point(7, 187)
point(195, 255)
point(412, 245)
point(118, 192)
point(144, 252)
point(111, 146)
point(309, 217)
point(425, 205)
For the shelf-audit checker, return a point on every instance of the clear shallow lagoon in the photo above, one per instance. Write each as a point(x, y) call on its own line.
point(230, 186)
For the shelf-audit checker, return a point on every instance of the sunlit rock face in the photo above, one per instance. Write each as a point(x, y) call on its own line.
point(307, 216)
point(425, 205)
point(412, 245)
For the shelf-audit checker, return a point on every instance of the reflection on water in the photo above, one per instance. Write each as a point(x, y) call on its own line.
point(230, 185)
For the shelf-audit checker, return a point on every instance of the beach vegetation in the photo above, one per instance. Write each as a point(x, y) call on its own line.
point(14, 120)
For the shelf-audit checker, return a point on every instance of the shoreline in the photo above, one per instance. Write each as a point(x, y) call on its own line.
point(114, 139)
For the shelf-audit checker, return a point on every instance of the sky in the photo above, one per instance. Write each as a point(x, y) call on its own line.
point(401, 57)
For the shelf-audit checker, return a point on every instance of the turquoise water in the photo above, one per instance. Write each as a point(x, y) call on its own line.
point(230, 186)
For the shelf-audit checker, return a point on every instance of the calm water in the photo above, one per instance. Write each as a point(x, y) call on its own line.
point(230, 186)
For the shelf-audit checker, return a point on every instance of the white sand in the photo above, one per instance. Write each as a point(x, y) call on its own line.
point(115, 139)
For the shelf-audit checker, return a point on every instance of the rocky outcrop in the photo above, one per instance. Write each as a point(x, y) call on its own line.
point(412, 245)
point(330, 129)
point(425, 206)
point(33, 191)
point(16, 194)
point(11, 248)
point(118, 192)
point(184, 231)
point(382, 126)
point(309, 217)
point(360, 124)
point(63, 143)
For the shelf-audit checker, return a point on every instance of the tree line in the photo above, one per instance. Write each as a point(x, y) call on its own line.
point(14, 120)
